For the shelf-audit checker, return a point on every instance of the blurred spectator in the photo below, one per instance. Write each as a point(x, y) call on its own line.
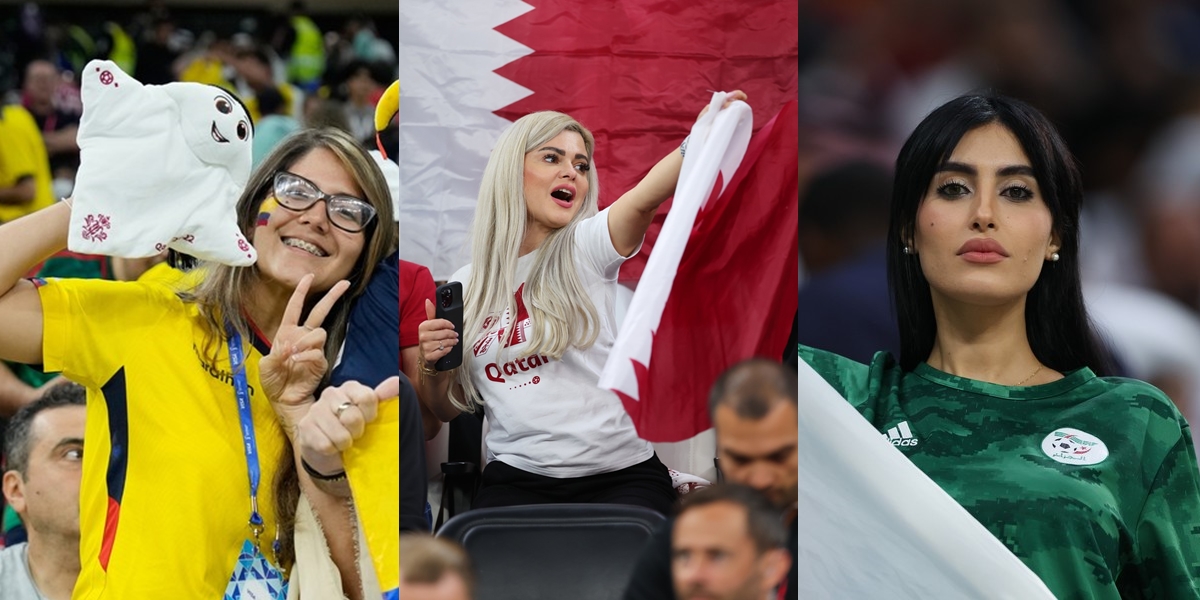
point(753, 410)
point(25, 182)
point(57, 117)
point(364, 83)
point(156, 54)
point(255, 75)
point(1168, 187)
point(367, 44)
point(434, 569)
point(728, 544)
point(44, 448)
point(845, 303)
point(1156, 338)
point(209, 62)
point(358, 41)
point(118, 46)
point(273, 126)
point(324, 112)
point(301, 44)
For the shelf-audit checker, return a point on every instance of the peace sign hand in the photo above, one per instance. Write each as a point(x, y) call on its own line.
point(291, 372)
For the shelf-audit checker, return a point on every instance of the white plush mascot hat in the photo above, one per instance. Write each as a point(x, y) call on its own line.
point(161, 166)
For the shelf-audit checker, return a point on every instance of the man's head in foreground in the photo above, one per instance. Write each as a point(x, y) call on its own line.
point(433, 569)
point(728, 543)
point(753, 408)
point(44, 446)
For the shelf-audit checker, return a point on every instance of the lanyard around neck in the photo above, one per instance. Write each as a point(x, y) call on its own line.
point(241, 389)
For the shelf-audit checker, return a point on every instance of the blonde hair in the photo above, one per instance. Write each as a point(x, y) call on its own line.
point(554, 294)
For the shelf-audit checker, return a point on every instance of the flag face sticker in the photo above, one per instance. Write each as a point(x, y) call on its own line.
point(635, 73)
point(265, 210)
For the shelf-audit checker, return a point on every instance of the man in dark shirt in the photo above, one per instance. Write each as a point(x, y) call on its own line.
point(413, 480)
point(753, 408)
point(57, 115)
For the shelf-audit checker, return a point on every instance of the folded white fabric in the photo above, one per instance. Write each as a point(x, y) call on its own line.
point(160, 166)
point(686, 483)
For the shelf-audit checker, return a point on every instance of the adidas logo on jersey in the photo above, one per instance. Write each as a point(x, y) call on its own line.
point(901, 435)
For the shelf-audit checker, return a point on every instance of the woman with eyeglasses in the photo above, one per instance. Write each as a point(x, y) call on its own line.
point(190, 482)
point(539, 317)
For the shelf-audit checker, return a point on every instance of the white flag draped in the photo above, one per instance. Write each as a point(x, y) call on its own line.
point(872, 525)
point(448, 54)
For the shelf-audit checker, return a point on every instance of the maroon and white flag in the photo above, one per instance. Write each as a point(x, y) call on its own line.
point(635, 73)
point(721, 284)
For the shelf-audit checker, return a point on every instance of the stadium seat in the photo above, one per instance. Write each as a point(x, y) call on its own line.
point(552, 551)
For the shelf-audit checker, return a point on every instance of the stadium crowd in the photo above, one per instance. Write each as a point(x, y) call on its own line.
point(312, 96)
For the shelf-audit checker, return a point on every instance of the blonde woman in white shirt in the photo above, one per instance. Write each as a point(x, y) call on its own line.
point(541, 251)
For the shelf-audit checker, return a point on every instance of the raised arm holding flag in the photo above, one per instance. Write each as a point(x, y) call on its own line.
point(540, 320)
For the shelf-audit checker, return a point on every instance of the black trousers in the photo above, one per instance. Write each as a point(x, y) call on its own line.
point(645, 484)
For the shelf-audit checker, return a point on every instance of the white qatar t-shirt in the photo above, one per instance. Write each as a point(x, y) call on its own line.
point(547, 416)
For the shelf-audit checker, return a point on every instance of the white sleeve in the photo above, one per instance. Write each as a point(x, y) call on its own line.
point(594, 248)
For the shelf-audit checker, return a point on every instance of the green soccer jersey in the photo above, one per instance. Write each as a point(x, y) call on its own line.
point(1092, 482)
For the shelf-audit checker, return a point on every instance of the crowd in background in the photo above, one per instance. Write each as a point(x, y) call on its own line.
point(292, 70)
point(288, 70)
point(1119, 78)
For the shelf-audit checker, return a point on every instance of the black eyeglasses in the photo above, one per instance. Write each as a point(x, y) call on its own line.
point(347, 213)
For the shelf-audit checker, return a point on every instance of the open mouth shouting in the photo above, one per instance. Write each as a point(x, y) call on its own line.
point(216, 135)
point(305, 246)
point(563, 195)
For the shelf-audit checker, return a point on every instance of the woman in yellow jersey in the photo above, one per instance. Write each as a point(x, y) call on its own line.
point(189, 484)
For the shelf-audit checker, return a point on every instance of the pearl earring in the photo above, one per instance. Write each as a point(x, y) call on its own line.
point(907, 250)
point(1054, 257)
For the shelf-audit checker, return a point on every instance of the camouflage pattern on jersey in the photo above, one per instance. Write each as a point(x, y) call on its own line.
point(1092, 482)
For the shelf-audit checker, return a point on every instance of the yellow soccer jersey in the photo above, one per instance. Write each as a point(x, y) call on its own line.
point(164, 502)
point(23, 153)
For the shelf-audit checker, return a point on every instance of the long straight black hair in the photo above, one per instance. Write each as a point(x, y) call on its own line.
point(1056, 320)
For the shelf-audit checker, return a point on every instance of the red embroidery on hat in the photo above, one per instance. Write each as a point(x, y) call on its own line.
point(95, 227)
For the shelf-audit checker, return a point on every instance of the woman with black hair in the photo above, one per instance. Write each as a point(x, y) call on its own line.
point(999, 394)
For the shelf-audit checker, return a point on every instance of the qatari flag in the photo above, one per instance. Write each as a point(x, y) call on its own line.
point(634, 72)
point(723, 272)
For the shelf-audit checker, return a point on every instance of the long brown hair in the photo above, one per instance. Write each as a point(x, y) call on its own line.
point(225, 291)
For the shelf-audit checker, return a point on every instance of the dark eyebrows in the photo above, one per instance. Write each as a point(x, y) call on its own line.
point(561, 152)
point(965, 169)
point(67, 442)
point(1016, 170)
point(777, 452)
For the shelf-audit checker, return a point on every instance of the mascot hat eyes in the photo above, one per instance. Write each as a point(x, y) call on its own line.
point(216, 127)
